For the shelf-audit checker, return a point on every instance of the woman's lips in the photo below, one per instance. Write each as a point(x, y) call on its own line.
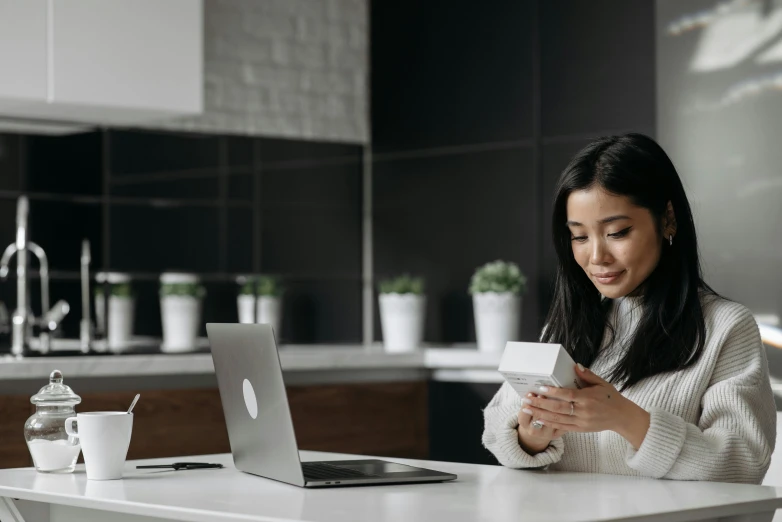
point(606, 278)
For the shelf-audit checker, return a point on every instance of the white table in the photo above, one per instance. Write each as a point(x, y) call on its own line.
point(481, 493)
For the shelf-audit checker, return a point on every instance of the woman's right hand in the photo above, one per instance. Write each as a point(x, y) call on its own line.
point(534, 440)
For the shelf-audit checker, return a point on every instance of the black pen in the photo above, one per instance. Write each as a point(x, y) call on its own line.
point(176, 466)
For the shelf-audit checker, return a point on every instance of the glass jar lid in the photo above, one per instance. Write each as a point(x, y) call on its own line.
point(55, 393)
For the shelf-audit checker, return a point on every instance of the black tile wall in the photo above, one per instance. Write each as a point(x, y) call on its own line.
point(450, 75)
point(240, 151)
point(301, 240)
point(147, 309)
point(279, 152)
point(137, 152)
point(240, 240)
point(59, 228)
point(240, 187)
point(219, 304)
point(154, 239)
point(333, 185)
point(321, 311)
point(204, 187)
point(7, 222)
point(63, 164)
point(597, 66)
point(218, 206)
point(10, 162)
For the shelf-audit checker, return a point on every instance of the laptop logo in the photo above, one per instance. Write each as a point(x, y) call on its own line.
point(249, 399)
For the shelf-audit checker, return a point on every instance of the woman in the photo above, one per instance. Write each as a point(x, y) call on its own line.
point(677, 384)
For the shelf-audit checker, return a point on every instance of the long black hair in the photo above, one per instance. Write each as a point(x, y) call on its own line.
point(671, 330)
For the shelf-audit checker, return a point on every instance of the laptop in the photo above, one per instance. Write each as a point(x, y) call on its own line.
point(259, 423)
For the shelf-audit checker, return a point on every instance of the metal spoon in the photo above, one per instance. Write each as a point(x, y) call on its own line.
point(135, 400)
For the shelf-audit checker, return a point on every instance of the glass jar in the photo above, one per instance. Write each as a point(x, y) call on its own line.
point(53, 450)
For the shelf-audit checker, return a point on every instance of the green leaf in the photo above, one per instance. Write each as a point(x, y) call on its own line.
point(498, 276)
point(266, 285)
point(404, 284)
point(116, 290)
point(182, 289)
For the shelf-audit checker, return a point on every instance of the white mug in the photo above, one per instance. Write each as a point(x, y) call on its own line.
point(104, 438)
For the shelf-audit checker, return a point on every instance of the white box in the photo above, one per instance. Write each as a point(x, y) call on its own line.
point(528, 365)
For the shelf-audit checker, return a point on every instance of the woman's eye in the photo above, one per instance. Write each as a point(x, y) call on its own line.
point(621, 233)
point(579, 239)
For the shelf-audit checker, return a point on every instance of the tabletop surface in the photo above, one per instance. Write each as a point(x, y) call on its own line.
point(480, 493)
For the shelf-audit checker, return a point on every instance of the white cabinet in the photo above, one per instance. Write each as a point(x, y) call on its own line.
point(22, 51)
point(101, 61)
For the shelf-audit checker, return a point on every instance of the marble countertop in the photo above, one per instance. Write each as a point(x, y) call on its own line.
point(479, 493)
point(294, 358)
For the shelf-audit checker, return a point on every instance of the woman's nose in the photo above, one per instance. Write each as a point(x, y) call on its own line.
point(600, 254)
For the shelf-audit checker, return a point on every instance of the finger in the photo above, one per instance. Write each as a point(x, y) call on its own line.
point(560, 429)
point(546, 416)
point(553, 405)
point(589, 376)
point(565, 394)
point(545, 431)
point(538, 428)
point(524, 417)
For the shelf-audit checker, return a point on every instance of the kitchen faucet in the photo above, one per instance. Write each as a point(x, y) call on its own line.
point(85, 326)
point(23, 319)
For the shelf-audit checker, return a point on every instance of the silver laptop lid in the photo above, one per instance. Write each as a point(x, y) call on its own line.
point(255, 404)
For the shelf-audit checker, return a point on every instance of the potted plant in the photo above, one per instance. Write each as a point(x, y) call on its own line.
point(402, 312)
point(269, 305)
point(260, 301)
point(121, 309)
point(245, 301)
point(496, 290)
point(181, 298)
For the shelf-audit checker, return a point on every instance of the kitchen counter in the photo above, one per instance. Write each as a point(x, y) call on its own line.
point(298, 362)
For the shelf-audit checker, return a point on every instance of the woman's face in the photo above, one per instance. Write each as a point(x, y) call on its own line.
point(616, 243)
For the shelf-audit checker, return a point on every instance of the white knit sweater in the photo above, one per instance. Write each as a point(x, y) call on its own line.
point(714, 421)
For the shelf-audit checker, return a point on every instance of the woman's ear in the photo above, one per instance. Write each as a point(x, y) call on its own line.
point(669, 222)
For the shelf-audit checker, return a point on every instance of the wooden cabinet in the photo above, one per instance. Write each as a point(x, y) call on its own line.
point(101, 61)
point(385, 419)
point(15, 409)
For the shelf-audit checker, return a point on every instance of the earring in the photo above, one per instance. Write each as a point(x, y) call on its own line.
point(670, 239)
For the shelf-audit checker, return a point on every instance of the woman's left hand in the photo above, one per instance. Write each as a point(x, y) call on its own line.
point(596, 407)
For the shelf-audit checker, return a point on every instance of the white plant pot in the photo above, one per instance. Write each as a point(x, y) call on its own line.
point(497, 319)
point(121, 319)
point(246, 306)
point(100, 317)
point(402, 321)
point(181, 322)
point(270, 312)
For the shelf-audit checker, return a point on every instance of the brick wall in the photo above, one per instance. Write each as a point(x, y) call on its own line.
point(284, 68)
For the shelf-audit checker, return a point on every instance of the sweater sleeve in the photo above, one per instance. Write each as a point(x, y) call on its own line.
point(500, 436)
point(736, 433)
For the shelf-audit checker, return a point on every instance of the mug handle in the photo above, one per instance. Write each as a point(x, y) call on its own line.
point(69, 427)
